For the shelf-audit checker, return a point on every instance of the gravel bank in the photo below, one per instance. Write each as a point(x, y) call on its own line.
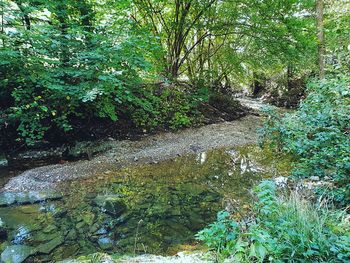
point(151, 149)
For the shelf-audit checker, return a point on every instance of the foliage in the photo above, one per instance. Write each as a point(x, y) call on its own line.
point(337, 36)
point(221, 235)
point(213, 41)
point(64, 62)
point(174, 107)
point(317, 134)
point(67, 63)
point(285, 229)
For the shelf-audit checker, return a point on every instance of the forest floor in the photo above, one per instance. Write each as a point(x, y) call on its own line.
point(151, 149)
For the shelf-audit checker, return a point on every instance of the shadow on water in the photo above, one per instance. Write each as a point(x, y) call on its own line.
point(152, 208)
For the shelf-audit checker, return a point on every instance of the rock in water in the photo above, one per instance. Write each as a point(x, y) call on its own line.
point(112, 204)
point(9, 198)
point(3, 160)
point(51, 245)
point(105, 243)
point(16, 254)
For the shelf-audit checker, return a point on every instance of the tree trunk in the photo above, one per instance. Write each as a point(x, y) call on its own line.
point(320, 37)
point(25, 15)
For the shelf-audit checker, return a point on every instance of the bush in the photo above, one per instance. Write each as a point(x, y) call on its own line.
point(168, 107)
point(284, 229)
point(317, 134)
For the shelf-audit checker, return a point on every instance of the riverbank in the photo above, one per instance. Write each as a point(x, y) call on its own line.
point(151, 149)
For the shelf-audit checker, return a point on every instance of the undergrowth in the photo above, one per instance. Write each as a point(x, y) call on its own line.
point(283, 229)
point(317, 134)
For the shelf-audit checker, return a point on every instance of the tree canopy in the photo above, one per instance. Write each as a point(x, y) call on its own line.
point(68, 61)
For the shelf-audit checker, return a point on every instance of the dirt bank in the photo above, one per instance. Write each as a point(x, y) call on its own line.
point(151, 149)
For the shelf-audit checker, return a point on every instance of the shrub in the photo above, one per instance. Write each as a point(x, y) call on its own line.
point(317, 134)
point(168, 107)
point(285, 229)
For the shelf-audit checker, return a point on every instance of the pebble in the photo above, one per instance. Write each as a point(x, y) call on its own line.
point(314, 178)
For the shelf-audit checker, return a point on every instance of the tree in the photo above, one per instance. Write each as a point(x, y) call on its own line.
point(320, 37)
point(175, 22)
point(212, 41)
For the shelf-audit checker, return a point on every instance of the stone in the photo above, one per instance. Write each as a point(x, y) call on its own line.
point(114, 207)
point(42, 237)
point(3, 160)
point(16, 253)
point(314, 178)
point(68, 251)
point(59, 212)
point(101, 231)
point(105, 243)
point(32, 197)
point(111, 204)
point(80, 225)
point(94, 228)
point(7, 199)
point(34, 158)
point(49, 229)
point(3, 246)
point(122, 219)
point(281, 181)
point(72, 235)
point(51, 245)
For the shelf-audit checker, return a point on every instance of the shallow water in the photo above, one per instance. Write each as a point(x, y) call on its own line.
point(153, 208)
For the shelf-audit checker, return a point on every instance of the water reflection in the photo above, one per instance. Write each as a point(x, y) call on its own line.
point(201, 157)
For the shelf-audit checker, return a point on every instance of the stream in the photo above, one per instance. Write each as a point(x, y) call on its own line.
point(149, 196)
point(147, 208)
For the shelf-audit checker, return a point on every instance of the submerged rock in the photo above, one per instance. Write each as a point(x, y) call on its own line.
point(51, 245)
point(9, 198)
point(112, 204)
point(105, 243)
point(43, 237)
point(72, 235)
point(16, 254)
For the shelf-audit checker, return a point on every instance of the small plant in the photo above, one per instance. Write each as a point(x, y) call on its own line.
point(221, 234)
point(285, 229)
